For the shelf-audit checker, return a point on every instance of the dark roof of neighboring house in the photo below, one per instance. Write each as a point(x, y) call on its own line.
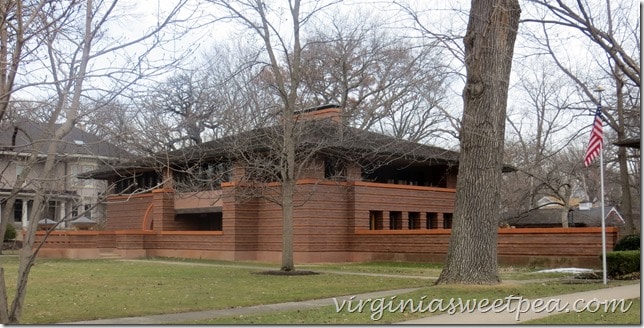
point(550, 217)
point(630, 142)
point(323, 136)
point(23, 137)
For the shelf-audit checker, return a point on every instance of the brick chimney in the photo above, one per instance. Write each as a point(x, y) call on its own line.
point(330, 111)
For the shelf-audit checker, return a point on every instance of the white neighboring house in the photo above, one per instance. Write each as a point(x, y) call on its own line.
point(71, 197)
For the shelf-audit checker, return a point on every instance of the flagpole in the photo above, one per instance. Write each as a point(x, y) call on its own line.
point(601, 183)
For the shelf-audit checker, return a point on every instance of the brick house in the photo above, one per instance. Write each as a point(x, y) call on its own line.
point(360, 196)
point(351, 181)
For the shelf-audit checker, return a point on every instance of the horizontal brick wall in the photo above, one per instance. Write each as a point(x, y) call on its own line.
point(405, 199)
point(529, 246)
point(323, 224)
point(554, 246)
point(332, 224)
point(127, 212)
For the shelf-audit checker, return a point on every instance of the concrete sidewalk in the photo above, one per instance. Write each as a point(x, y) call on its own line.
point(591, 298)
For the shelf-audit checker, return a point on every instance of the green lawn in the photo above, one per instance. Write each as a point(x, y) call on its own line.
point(427, 269)
point(61, 291)
point(64, 290)
point(630, 317)
point(329, 314)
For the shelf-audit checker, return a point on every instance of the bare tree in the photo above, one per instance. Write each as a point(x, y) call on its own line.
point(557, 177)
point(613, 28)
point(489, 45)
point(282, 43)
point(543, 124)
point(609, 27)
point(383, 82)
point(444, 27)
point(222, 94)
point(64, 41)
point(184, 99)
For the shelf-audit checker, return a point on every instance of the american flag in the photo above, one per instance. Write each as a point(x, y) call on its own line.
point(596, 139)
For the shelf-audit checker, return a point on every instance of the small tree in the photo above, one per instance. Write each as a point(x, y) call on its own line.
point(60, 40)
point(281, 46)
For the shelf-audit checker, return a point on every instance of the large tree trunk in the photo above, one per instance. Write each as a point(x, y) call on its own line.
point(489, 45)
point(625, 183)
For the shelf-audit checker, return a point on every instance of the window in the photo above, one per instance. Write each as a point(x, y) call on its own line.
point(147, 180)
point(375, 220)
point(19, 169)
point(137, 183)
point(202, 176)
point(432, 220)
point(120, 187)
point(88, 211)
point(17, 210)
point(395, 220)
point(447, 220)
point(222, 173)
point(414, 220)
point(51, 211)
point(334, 169)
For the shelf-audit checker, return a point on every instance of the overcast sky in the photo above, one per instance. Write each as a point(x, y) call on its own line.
point(441, 16)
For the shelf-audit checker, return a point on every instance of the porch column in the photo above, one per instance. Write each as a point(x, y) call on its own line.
point(62, 211)
point(25, 214)
point(163, 212)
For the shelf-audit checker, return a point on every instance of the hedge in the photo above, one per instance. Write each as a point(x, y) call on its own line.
point(628, 243)
point(622, 262)
point(10, 233)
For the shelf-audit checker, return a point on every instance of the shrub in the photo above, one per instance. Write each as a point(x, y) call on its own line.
point(10, 233)
point(628, 243)
point(622, 263)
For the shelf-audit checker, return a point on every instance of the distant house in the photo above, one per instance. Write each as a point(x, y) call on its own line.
point(577, 196)
point(549, 202)
point(78, 152)
point(577, 217)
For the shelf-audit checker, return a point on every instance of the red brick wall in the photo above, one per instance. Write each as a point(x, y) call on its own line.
point(324, 223)
point(127, 212)
point(238, 218)
point(405, 199)
point(554, 246)
point(322, 220)
point(163, 211)
point(529, 246)
point(541, 247)
point(331, 225)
